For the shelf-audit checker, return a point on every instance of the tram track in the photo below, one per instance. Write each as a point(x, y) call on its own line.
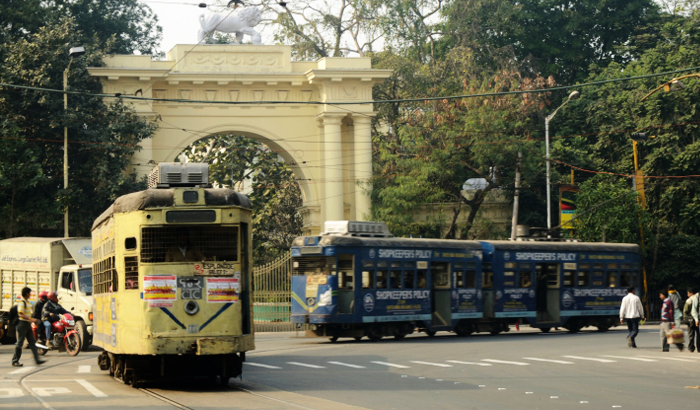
point(31, 392)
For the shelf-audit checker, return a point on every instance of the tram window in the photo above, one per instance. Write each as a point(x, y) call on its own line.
point(382, 264)
point(315, 265)
point(409, 264)
point(395, 264)
point(367, 277)
point(164, 244)
point(345, 280)
point(130, 244)
point(611, 279)
point(510, 265)
point(569, 277)
point(458, 265)
point(597, 278)
point(626, 266)
point(625, 279)
point(131, 272)
point(552, 275)
point(408, 278)
point(509, 277)
point(597, 266)
point(583, 277)
point(422, 279)
point(367, 264)
point(458, 280)
point(525, 279)
point(470, 279)
point(612, 266)
point(395, 281)
point(584, 265)
point(527, 266)
point(382, 276)
point(487, 280)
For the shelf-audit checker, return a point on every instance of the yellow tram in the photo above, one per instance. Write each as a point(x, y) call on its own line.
point(171, 275)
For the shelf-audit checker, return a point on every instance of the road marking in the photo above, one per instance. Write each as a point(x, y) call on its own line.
point(671, 358)
point(354, 366)
point(431, 364)
point(591, 358)
point(473, 363)
point(629, 358)
point(50, 391)
point(311, 366)
point(267, 366)
point(84, 369)
point(24, 369)
point(398, 366)
point(537, 359)
point(89, 387)
point(505, 362)
point(11, 392)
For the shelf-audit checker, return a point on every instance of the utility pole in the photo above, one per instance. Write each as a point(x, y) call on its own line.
point(516, 197)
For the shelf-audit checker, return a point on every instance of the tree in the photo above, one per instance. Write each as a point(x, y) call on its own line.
point(102, 137)
point(558, 39)
point(248, 166)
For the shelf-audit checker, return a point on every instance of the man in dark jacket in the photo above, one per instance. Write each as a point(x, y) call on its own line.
point(38, 309)
point(50, 313)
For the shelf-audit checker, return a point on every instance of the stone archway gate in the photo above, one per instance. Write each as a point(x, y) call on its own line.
point(328, 146)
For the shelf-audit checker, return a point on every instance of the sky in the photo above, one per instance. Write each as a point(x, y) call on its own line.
point(179, 19)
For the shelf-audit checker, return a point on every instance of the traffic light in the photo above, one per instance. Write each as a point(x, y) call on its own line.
point(640, 136)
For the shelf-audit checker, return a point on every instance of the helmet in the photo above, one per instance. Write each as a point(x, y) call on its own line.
point(43, 295)
point(52, 297)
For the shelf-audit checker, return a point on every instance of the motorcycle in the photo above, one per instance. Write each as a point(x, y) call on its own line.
point(64, 337)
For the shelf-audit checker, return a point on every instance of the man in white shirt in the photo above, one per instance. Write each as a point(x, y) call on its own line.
point(691, 306)
point(631, 311)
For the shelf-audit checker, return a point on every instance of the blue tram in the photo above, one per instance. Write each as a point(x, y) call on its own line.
point(356, 280)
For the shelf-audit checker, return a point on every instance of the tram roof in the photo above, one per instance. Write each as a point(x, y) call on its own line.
point(564, 246)
point(163, 198)
point(335, 240)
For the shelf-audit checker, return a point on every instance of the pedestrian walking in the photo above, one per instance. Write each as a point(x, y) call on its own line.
point(677, 305)
point(631, 312)
point(690, 316)
point(667, 320)
point(24, 329)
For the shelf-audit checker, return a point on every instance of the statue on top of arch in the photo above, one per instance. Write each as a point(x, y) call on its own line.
point(240, 22)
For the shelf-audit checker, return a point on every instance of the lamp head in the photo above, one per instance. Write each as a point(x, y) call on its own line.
point(574, 95)
point(76, 52)
point(639, 136)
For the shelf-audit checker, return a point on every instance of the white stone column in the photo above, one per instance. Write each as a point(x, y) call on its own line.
point(333, 169)
point(363, 166)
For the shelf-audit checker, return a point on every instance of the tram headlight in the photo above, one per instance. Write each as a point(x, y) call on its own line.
point(191, 307)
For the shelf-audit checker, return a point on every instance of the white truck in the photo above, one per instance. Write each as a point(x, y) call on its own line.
point(61, 265)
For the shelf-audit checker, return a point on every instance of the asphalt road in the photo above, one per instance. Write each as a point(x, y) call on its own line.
point(517, 370)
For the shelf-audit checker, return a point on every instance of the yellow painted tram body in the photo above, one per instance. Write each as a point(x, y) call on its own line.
point(171, 279)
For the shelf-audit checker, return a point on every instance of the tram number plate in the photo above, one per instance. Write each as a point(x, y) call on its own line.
point(190, 287)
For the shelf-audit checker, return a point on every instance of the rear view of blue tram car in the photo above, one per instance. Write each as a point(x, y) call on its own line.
point(356, 280)
point(558, 284)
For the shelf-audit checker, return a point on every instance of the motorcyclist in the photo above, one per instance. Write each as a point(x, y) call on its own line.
point(50, 313)
point(38, 308)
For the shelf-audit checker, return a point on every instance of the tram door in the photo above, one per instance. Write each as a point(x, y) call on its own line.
point(547, 294)
point(440, 293)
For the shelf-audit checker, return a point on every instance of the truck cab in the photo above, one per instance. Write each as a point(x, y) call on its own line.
point(74, 291)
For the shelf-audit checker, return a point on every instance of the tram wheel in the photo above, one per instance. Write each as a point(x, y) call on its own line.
point(603, 328)
point(430, 333)
point(399, 336)
point(358, 338)
point(545, 329)
point(333, 339)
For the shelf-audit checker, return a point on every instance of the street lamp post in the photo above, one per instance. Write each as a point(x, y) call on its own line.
point(573, 96)
point(73, 52)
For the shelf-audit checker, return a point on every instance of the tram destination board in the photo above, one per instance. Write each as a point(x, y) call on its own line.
point(214, 269)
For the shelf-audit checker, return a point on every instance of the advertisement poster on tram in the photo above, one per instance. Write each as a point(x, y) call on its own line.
point(160, 291)
point(222, 290)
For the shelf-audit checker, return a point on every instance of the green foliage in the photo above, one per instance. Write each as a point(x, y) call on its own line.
point(607, 211)
point(102, 138)
point(248, 166)
point(674, 261)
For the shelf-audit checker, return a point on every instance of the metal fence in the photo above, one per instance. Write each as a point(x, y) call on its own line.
point(272, 295)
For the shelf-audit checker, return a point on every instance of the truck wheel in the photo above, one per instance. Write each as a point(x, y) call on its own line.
point(81, 327)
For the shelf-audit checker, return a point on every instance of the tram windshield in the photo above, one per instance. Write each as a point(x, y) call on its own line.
point(316, 265)
point(189, 244)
